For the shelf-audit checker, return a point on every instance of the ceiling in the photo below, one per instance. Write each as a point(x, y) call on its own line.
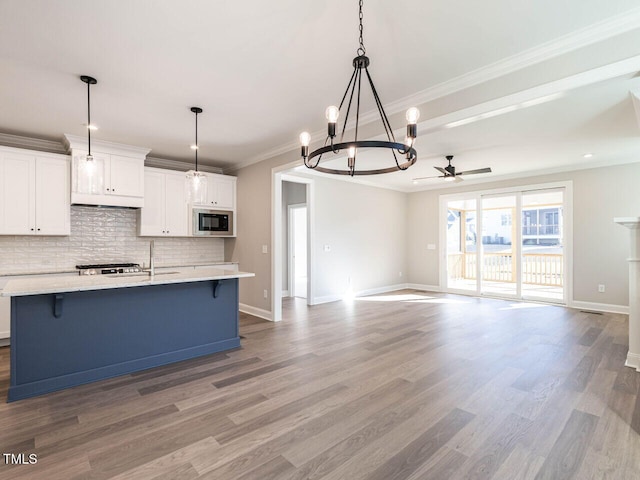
point(265, 71)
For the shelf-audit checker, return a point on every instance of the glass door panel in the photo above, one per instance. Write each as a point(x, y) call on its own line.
point(543, 245)
point(499, 271)
point(461, 245)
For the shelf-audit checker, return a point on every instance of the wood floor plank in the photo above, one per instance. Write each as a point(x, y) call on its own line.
point(567, 454)
point(445, 465)
point(411, 457)
point(486, 461)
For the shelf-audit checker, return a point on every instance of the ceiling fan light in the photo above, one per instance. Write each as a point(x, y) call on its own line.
point(449, 178)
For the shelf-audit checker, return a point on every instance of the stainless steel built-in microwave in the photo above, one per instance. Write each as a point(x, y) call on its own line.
point(214, 223)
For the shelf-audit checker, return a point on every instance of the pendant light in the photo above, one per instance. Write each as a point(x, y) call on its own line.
point(405, 148)
point(89, 81)
point(196, 181)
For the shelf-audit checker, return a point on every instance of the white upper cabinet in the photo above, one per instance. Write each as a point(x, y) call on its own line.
point(221, 191)
point(34, 193)
point(115, 177)
point(165, 211)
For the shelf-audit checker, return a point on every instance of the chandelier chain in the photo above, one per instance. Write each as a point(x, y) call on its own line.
point(361, 49)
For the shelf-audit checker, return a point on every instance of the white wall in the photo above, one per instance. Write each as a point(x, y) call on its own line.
point(365, 229)
point(600, 247)
point(101, 235)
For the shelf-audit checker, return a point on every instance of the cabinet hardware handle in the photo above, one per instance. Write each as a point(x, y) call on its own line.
point(32, 229)
point(38, 229)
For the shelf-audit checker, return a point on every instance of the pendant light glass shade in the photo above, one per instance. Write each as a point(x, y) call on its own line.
point(196, 181)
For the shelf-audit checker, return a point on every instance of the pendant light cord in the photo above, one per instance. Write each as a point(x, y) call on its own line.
point(361, 49)
point(89, 115)
point(197, 146)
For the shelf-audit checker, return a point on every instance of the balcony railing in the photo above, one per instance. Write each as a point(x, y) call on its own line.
point(537, 268)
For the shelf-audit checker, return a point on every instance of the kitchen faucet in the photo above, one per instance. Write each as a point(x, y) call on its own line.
point(152, 266)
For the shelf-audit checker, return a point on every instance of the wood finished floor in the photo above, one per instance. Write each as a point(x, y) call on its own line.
point(407, 385)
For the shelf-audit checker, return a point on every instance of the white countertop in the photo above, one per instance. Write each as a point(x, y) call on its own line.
point(77, 283)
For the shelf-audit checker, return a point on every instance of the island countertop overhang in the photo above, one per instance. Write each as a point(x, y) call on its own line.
point(77, 283)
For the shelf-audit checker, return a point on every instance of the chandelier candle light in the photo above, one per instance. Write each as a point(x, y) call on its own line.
point(89, 81)
point(406, 149)
point(196, 181)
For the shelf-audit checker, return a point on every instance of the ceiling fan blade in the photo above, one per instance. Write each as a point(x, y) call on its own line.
point(473, 172)
point(426, 178)
point(442, 170)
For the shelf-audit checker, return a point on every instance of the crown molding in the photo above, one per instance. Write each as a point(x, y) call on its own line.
point(597, 32)
point(18, 141)
point(73, 142)
point(177, 165)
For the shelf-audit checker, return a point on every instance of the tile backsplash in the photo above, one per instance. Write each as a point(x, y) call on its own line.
point(102, 235)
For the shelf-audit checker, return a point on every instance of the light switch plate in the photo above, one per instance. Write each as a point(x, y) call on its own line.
point(265, 249)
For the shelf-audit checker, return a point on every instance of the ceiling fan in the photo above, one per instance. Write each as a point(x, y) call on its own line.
point(449, 172)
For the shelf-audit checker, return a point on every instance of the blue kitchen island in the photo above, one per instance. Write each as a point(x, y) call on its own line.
point(68, 331)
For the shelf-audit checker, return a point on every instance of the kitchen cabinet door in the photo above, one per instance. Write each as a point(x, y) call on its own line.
point(52, 207)
point(125, 177)
point(225, 193)
point(175, 206)
point(152, 214)
point(221, 192)
point(17, 212)
point(165, 212)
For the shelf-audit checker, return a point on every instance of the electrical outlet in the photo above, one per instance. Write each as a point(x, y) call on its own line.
point(266, 294)
point(265, 250)
point(327, 248)
point(601, 288)
point(399, 274)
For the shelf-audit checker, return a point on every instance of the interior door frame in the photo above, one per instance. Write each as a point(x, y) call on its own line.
point(476, 195)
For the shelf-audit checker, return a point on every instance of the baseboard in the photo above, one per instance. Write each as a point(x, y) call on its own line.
point(362, 293)
point(424, 288)
point(326, 299)
point(633, 361)
point(600, 307)
point(256, 312)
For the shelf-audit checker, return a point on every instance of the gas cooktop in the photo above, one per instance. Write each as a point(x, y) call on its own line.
point(108, 268)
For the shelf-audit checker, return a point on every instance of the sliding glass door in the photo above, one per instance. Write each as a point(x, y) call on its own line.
point(499, 253)
point(507, 245)
point(543, 238)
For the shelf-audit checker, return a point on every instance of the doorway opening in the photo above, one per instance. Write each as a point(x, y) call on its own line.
point(297, 250)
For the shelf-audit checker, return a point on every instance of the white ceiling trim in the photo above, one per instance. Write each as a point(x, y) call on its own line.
point(597, 32)
point(18, 141)
point(532, 96)
point(584, 37)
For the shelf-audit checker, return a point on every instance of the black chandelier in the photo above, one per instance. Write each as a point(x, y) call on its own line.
point(406, 149)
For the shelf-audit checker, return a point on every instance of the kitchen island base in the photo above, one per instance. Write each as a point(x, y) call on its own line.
point(60, 340)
